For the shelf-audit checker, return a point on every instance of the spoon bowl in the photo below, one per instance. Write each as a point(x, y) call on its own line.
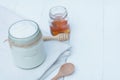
point(65, 70)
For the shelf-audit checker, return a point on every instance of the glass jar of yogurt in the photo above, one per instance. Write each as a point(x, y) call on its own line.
point(25, 40)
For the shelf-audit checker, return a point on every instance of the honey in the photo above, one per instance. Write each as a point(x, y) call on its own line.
point(59, 26)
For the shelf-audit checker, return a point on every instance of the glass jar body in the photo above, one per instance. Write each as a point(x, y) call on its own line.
point(59, 20)
point(28, 52)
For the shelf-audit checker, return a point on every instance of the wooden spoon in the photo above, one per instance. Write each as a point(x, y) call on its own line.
point(65, 70)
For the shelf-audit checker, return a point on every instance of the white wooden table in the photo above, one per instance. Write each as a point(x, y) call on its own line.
point(95, 33)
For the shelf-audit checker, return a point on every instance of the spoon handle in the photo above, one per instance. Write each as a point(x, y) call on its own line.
point(56, 77)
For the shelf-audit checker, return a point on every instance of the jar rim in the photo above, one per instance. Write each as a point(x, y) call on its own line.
point(55, 7)
point(37, 30)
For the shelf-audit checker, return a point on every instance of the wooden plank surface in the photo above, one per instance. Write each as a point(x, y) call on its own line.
point(95, 33)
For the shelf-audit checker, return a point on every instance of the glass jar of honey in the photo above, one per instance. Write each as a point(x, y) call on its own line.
point(58, 20)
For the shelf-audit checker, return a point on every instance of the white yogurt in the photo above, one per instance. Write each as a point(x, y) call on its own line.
point(26, 44)
point(23, 29)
